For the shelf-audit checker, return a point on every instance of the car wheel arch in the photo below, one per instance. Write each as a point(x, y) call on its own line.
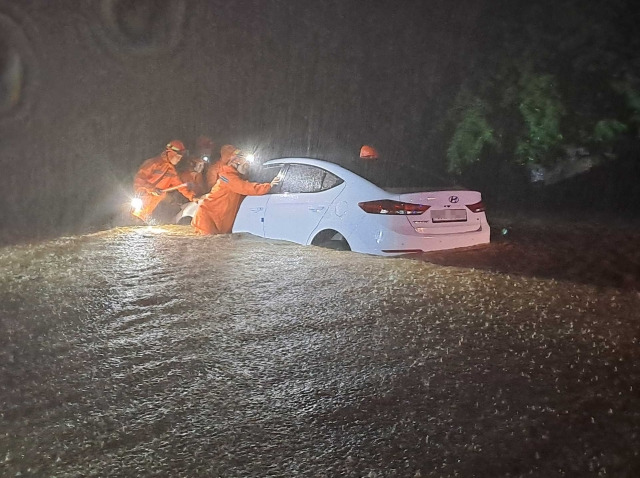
point(330, 238)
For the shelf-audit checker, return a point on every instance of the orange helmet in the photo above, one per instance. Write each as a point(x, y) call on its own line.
point(368, 152)
point(176, 146)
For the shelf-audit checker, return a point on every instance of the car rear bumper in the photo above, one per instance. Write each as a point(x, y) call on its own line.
point(389, 242)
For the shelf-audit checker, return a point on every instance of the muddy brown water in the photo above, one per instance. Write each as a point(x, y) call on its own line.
point(154, 352)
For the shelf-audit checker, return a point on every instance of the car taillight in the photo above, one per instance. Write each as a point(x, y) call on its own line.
point(477, 207)
point(386, 206)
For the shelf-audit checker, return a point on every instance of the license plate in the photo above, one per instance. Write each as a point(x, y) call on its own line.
point(449, 215)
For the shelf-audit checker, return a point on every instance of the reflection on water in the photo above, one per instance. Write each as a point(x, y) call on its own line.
point(148, 352)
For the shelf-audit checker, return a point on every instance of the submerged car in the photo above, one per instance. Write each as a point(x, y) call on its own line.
point(324, 204)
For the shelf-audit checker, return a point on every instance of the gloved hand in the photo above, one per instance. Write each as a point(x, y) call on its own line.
point(275, 181)
point(155, 192)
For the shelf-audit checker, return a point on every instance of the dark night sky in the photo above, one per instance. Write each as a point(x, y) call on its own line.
point(101, 85)
point(107, 83)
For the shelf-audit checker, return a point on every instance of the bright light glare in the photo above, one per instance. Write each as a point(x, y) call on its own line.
point(205, 159)
point(251, 158)
point(136, 204)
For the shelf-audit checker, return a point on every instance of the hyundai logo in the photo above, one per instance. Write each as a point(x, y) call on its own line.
point(454, 199)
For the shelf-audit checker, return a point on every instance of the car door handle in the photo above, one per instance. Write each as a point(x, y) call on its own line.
point(257, 209)
point(316, 208)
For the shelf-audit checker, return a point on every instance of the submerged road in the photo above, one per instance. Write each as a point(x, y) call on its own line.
point(154, 352)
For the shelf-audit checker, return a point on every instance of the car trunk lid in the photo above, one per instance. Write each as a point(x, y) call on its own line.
point(448, 211)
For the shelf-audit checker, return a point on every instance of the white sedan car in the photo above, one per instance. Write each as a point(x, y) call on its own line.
point(323, 204)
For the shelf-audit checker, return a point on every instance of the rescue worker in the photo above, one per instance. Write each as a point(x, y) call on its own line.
point(367, 166)
point(191, 169)
point(213, 171)
point(204, 148)
point(219, 208)
point(192, 172)
point(157, 174)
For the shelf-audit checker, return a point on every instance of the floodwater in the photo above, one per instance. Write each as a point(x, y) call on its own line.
point(154, 352)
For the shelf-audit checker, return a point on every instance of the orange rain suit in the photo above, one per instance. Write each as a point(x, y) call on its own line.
point(154, 174)
point(213, 172)
point(219, 208)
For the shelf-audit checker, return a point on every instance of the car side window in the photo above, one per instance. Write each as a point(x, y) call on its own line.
point(264, 174)
point(330, 181)
point(302, 178)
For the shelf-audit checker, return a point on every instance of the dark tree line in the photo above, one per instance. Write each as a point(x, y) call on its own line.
point(547, 75)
